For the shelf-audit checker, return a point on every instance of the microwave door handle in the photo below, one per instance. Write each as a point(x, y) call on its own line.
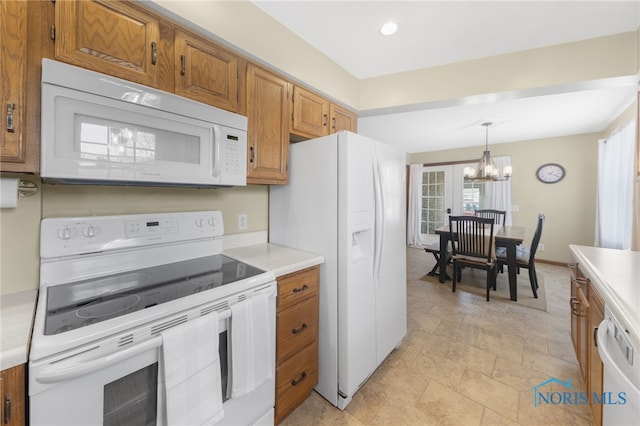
point(54, 375)
point(216, 142)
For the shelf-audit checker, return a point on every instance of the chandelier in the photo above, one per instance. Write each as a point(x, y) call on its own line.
point(486, 169)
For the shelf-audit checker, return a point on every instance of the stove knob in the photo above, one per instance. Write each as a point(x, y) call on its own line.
point(64, 233)
point(89, 231)
point(212, 221)
point(199, 222)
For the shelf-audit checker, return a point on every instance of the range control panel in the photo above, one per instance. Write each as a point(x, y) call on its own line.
point(81, 235)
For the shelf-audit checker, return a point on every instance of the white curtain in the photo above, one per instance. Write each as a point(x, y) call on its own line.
point(615, 189)
point(497, 195)
point(415, 205)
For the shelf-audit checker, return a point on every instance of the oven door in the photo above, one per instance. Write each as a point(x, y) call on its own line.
point(113, 388)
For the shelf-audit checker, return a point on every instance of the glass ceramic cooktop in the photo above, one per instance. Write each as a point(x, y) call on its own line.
point(82, 303)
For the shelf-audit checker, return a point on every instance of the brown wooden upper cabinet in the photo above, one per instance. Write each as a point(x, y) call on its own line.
point(314, 116)
point(112, 37)
point(341, 119)
point(206, 72)
point(268, 109)
point(13, 65)
point(310, 117)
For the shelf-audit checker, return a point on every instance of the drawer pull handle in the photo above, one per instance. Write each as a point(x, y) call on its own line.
point(303, 376)
point(7, 409)
point(301, 329)
point(595, 336)
point(10, 108)
point(154, 53)
point(303, 288)
point(183, 65)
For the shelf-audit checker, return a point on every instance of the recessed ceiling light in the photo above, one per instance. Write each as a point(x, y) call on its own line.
point(389, 28)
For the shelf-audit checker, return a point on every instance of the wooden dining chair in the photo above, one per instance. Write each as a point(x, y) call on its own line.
point(525, 256)
point(497, 215)
point(473, 246)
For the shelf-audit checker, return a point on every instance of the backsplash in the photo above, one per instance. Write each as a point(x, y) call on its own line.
point(21, 226)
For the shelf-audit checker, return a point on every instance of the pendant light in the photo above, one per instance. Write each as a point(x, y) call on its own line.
point(486, 169)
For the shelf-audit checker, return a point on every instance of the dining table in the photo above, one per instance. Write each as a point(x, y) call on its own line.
point(508, 237)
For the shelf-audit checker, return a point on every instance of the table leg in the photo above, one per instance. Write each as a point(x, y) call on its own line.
point(444, 241)
point(513, 270)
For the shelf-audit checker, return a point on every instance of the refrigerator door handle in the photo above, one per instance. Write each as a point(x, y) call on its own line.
point(379, 220)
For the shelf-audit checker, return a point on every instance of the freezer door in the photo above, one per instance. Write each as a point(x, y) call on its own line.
point(356, 293)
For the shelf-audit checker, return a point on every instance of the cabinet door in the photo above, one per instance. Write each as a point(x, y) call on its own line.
point(596, 315)
point(582, 313)
point(13, 394)
point(13, 65)
point(113, 37)
point(342, 119)
point(206, 72)
point(268, 135)
point(574, 317)
point(310, 114)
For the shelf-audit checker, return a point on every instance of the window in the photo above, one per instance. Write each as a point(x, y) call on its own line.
point(433, 201)
point(472, 197)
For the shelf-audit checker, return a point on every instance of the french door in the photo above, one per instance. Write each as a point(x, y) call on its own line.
point(445, 193)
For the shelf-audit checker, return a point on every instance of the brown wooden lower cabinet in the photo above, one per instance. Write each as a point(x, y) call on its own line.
point(594, 374)
point(296, 378)
point(587, 311)
point(296, 339)
point(13, 394)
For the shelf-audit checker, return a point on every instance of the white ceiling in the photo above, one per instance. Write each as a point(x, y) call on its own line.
point(433, 33)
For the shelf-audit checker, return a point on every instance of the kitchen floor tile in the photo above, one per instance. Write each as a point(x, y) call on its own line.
point(465, 361)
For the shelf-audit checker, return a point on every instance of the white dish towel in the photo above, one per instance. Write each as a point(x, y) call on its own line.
point(252, 345)
point(189, 378)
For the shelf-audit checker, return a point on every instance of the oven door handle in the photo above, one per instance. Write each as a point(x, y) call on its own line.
point(57, 374)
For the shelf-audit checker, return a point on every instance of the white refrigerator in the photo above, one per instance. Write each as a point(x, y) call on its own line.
point(346, 201)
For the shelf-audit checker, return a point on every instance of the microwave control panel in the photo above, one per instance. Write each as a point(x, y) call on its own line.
point(234, 157)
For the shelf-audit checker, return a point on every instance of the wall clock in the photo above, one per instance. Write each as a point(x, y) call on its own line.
point(550, 173)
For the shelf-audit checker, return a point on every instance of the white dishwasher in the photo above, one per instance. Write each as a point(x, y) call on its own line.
point(621, 375)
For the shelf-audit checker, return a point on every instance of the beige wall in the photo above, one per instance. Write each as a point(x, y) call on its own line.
point(242, 25)
point(549, 66)
point(569, 206)
point(245, 26)
point(20, 227)
point(20, 241)
point(239, 22)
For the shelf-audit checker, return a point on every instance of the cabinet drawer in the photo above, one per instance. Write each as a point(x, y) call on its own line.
point(295, 378)
point(297, 287)
point(297, 327)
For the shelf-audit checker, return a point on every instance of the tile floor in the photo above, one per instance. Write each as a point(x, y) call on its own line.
point(465, 361)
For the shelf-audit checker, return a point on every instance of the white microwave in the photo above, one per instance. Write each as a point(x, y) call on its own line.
point(98, 129)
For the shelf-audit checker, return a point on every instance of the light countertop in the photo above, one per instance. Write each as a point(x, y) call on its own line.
point(278, 259)
point(616, 276)
point(17, 309)
point(16, 319)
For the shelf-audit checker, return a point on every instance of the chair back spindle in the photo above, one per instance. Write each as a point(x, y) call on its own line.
point(497, 215)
